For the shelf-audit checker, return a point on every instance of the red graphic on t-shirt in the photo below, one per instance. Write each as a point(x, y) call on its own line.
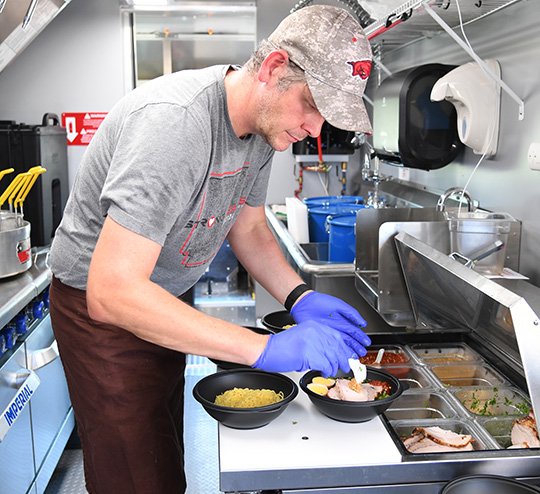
point(215, 215)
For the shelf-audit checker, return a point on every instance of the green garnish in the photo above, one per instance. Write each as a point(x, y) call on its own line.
point(524, 408)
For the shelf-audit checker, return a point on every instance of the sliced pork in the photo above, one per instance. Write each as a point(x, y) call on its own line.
point(524, 433)
point(446, 437)
point(350, 390)
point(437, 440)
point(429, 446)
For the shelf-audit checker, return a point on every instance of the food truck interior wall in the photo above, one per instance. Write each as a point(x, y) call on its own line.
point(80, 62)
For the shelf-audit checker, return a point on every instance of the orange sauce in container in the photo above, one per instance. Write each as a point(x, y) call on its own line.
point(389, 358)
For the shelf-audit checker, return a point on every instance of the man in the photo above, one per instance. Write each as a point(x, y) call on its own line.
point(177, 166)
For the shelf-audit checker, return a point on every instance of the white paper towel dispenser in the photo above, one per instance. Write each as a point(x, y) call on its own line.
point(476, 97)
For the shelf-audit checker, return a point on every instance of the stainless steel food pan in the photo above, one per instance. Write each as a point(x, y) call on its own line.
point(493, 401)
point(464, 375)
point(420, 405)
point(412, 376)
point(433, 353)
point(499, 428)
point(393, 355)
point(481, 441)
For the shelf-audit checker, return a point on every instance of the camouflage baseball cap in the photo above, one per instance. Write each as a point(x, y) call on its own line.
point(335, 54)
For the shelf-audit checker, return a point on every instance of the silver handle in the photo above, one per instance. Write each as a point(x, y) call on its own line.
point(478, 255)
point(40, 358)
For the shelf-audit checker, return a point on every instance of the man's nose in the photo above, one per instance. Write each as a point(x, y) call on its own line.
point(314, 124)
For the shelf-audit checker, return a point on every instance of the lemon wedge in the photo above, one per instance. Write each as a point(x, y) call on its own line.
point(318, 388)
point(325, 381)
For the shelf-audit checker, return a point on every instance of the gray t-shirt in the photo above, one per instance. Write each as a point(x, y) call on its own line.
point(165, 164)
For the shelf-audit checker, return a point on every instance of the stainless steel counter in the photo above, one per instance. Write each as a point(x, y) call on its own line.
point(336, 279)
point(305, 452)
point(17, 291)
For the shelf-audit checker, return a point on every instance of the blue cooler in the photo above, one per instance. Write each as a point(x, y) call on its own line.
point(318, 219)
point(342, 238)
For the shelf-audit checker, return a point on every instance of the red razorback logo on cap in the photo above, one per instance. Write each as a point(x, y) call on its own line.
point(361, 68)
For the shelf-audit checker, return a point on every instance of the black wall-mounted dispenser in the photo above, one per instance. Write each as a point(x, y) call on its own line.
point(409, 128)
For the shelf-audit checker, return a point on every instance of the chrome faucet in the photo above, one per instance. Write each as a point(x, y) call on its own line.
point(460, 193)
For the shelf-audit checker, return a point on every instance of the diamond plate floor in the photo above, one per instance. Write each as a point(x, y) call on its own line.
point(200, 440)
point(68, 478)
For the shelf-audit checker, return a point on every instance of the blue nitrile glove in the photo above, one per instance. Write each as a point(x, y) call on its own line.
point(333, 312)
point(309, 345)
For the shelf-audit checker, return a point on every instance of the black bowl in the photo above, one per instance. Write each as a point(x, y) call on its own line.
point(225, 365)
point(488, 484)
point(353, 411)
point(276, 320)
point(206, 390)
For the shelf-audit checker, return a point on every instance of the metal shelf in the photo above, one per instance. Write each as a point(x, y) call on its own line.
point(415, 20)
point(217, 37)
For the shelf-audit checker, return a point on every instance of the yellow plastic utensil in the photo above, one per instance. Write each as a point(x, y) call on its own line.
point(5, 172)
point(15, 185)
point(34, 172)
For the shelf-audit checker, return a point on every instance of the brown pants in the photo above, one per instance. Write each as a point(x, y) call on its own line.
point(127, 395)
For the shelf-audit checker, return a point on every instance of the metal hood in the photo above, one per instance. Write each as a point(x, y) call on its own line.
point(444, 294)
point(21, 21)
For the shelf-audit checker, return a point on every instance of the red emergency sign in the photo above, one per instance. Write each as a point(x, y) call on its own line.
point(81, 127)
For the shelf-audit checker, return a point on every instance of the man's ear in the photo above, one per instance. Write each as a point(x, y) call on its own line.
point(274, 65)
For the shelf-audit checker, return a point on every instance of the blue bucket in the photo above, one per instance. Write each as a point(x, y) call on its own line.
point(318, 219)
point(325, 201)
point(342, 238)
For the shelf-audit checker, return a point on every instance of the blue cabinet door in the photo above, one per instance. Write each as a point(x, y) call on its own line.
point(52, 417)
point(16, 456)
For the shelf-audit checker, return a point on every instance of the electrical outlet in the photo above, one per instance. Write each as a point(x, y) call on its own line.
point(533, 156)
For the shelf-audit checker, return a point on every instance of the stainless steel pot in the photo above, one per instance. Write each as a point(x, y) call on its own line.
point(15, 245)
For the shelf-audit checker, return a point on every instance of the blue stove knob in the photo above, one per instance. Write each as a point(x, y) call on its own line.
point(45, 299)
point(10, 337)
point(37, 309)
point(21, 324)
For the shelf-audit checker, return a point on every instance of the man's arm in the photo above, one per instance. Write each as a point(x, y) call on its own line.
point(257, 250)
point(120, 292)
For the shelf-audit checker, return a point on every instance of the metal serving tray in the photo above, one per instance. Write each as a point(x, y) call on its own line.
point(481, 441)
point(421, 405)
point(433, 354)
point(493, 401)
point(464, 375)
point(413, 377)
